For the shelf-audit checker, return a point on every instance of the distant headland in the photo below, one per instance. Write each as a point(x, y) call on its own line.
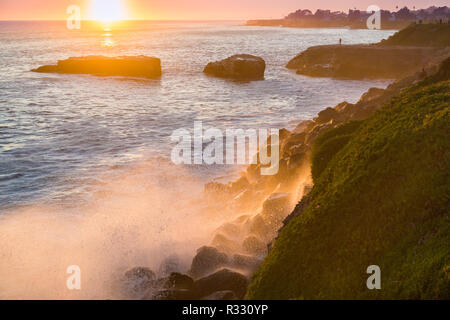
point(356, 19)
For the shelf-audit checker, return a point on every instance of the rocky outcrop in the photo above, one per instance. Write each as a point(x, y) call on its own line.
point(238, 67)
point(207, 260)
point(137, 66)
point(364, 61)
point(223, 280)
point(137, 281)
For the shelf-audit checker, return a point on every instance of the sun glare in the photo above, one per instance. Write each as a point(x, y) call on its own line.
point(107, 10)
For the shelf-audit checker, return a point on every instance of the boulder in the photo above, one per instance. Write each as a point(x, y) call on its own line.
point(170, 265)
point(252, 245)
point(239, 67)
point(326, 115)
point(222, 280)
point(179, 281)
point(245, 263)
point(304, 126)
point(257, 226)
point(207, 260)
point(230, 229)
point(276, 207)
point(224, 244)
point(128, 66)
point(138, 280)
point(172, 294)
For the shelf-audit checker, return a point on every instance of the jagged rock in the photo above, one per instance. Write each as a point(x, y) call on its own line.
point(294, 139)
point(371, 94)
point(172, 294)
point(137, 66)
point(229, 229)
point(221, 281)
point(224, 244)
point(304, 126)
point(258, 226)
point(137, 280)
point(241, 219)
point(179, 281)
point(221, 296)
point(253, 245)
point(207, 260)
point(169, 265)
point(326, 115)
point(239, 67)
point(316, 132)
point(239, 185)
point(246, 263)
point(276, 207)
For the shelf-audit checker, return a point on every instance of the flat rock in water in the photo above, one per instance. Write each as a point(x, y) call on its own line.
point(137, 66)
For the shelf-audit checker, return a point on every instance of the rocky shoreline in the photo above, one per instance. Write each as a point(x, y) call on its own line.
point(222, 270)
point(394, 58)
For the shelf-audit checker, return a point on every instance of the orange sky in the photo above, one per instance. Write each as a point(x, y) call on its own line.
point(195, 9)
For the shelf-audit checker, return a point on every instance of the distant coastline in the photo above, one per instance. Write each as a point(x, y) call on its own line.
point(356, 19)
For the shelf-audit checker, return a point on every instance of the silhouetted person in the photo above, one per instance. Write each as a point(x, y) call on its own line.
point(423, 74)
point(340, 41)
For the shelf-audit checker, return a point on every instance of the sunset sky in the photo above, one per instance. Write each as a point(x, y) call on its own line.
point(194, 9)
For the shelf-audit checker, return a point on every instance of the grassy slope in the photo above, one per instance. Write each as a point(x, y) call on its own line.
point(422, 35)
point(381, 198)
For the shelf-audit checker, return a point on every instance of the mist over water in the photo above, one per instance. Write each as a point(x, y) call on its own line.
point(84, 172)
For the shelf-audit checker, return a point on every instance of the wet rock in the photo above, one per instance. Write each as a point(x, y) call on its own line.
point(230, 229)
point(276, 207)
point(169, 265)
point(326, 115)
point(295, 139)
point(217, 191)
point(137, 66)
point(258, 226)
point(223, 280)
point(207, 260)
point(137, 280)
point(221, 296)
point(224, 244)
point(304, 126)
point(239, 67)
point(179, 281)
point(239, 185)
point(253, 245)
point(245, 263)
point(316, 132)
point(372, 94)
point(172, 294)
point(241, 219)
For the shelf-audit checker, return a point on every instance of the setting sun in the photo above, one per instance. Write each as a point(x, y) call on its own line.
point(107, 10)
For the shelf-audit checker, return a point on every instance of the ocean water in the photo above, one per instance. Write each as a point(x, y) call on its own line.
point(59, 132)
point(85, 175)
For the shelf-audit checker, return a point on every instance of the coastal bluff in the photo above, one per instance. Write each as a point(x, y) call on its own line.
point(128, 66)
point(408, 51)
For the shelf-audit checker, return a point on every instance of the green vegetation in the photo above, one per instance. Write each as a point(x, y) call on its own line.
point(329, 144)
point(381, 197)
point(421, 35)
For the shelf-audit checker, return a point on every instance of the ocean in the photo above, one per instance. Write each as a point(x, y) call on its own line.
point(85, 171)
